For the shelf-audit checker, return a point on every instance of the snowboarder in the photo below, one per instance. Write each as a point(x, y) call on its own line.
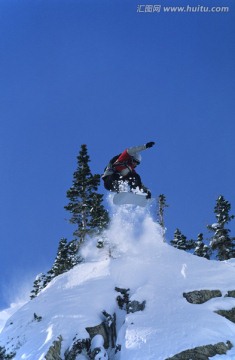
point(121, 168)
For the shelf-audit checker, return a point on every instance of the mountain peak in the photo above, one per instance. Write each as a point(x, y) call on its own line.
point(138, 268)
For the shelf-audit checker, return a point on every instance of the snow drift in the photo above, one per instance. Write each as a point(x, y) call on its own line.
point(134, 257)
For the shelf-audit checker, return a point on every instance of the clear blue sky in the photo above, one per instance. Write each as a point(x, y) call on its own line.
point(100, 73)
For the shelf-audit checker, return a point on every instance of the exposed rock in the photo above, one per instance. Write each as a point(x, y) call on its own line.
point(201, 296)
point(98, 351)
point(97, 347)
point(124, 302)
point(124, 299)
point(100, 329)
point(102, 336)
point(54, 351)
point(134, 306)
point(36, 317)
point(79, 346)
point(203, 352)
point(228, 314)
point(110, 323)
point(230, 293)
point(107, 329)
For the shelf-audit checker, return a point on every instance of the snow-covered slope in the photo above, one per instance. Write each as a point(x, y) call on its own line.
point(154, 271)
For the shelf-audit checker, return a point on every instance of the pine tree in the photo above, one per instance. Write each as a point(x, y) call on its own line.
point(4, 356)
point(201, 249)
point(67, 257)
point(161, 206)
point(85, 206)
point(59, 266)
point(2, 353)
point(180, 241)
point(221, 241)
point(73, 254)
point(87, 212)
point(38, 285)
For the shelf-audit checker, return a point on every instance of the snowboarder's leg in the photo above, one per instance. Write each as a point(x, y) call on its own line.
point(108, 180)
point(134, 181)
point(111, 182)
point(147, 191)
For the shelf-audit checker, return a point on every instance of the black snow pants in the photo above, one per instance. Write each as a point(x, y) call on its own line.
point(112, 182)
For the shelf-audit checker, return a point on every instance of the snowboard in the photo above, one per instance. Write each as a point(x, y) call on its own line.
point(129, 198)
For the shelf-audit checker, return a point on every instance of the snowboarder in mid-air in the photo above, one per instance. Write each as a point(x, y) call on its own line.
point(121, 169)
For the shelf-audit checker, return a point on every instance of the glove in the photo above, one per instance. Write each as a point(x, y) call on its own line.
point(149, 144)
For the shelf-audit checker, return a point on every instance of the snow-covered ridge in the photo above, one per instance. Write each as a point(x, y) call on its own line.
point(134, 257)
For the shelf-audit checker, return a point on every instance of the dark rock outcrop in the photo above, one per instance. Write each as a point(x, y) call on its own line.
point(228, 314)
point(201, 296)
point(203, 352)
point(100, 329)
point(230, 293)
point(78, 346)
point(134, 306)
point(54, 351)
point(125, 303)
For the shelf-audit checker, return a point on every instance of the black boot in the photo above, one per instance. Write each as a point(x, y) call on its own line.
point(147, 191)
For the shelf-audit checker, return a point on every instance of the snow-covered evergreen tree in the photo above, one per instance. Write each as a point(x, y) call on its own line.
point(161, 206)
point(4, 355)
point(85, 203)
point(67, 257)
point(201, 249)
point(88, 214)
point(180, 241)
point(221, 241)
point(59, 266)
point(39, 284)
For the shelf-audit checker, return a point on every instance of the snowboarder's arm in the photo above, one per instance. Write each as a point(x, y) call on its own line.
point(125, 156)
point(135, 149)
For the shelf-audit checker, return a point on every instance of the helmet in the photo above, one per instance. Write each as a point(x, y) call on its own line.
point(137, 158)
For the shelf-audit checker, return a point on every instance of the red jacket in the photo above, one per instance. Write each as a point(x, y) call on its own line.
point(126, 160)
point(124, 164)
